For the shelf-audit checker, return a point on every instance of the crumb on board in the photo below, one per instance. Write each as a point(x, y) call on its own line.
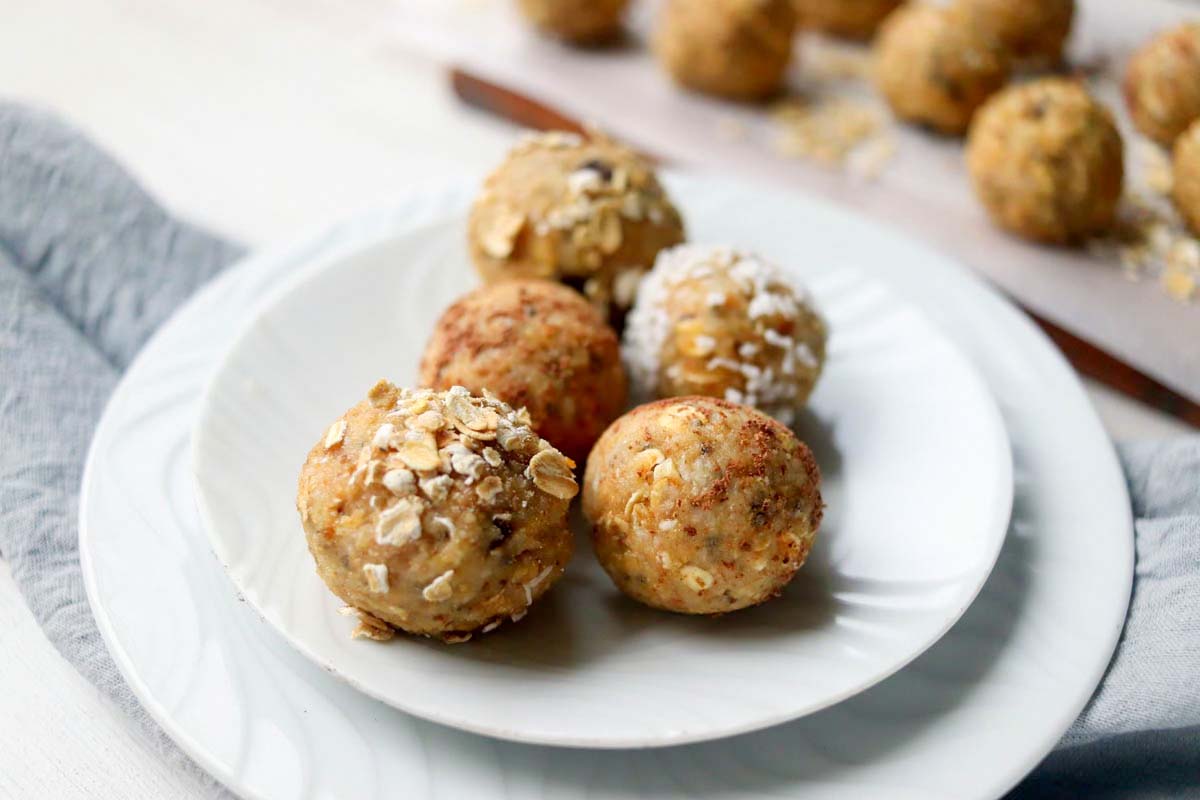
point(1151, 242)
point(836, 132)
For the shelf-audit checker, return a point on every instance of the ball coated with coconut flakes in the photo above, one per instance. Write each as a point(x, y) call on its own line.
point(1186, 185)
point(585, 211)
point(701, 506)
point(1047, 161)
point(935, 69)
point(1162, 84)
point(853, 19)
point(1032, 30)
point(738, 49)
point(437, 513)
point(537, 345)
point(718, 322)
point(579, 21)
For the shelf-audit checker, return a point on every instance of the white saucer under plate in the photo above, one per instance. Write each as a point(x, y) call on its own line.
point(966, 719)
point(917, 476)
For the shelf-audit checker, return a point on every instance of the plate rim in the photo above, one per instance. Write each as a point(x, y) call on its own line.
point(996, 526)
point(1122, 549)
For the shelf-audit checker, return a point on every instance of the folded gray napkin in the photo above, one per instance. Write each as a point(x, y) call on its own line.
point(90, 265)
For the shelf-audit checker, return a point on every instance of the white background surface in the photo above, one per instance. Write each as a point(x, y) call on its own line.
point(261, 119)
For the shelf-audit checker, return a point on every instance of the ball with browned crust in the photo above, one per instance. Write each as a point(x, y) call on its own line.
point(537, 345)
point(701, 506)
point(1032, 30)
point(437, 513)
point(586, 211)
point(579, 21)
point(1162, 84)
point(738, 49)
point(852, 19)
point(1047, 161)
point(934, 68)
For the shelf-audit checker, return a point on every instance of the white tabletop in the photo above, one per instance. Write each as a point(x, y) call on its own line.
point(260, 119)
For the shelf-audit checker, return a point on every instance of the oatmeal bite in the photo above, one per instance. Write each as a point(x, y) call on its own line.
point(536, 345)
point(579, 21)
point(437, 513)
point(1032, 30)
point(701, 506)
point(1047, 161)
point(853, 19)
point(1162, 84)
point(722, 323)
point(585, 211)
point(936, 69)
point(738, 49)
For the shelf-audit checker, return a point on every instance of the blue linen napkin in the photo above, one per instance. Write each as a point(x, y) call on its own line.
point(90, 265)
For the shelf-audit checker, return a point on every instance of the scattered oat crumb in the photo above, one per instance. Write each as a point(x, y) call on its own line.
point(1151, 242)
point(369, 626)
point(829, 131)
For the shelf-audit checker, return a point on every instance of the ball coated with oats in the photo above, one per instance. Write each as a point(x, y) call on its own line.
point(1186, 186)
point(437, 513)
point(1032, 30)
point(537, 345)
point(718, 322)
point(579, 21)
point(852, 19)
point(738, 49)
point(936, 69)
point(701, 506)
point(1162, 84)
point(1047, 161)
point(585, 211)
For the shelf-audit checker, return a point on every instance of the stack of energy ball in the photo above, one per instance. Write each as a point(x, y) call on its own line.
point(1045, 157)
point(443, 510)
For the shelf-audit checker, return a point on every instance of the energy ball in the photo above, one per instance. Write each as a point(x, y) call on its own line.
point(1186, 191)
point(537, 345)
point(714, 321)
point(580, 21)
point(1032, 30)
point(852, 19)
point(1046, 161)
point(585, 211)
point(936, 69)
point(1162, 84)
point(438, 513)
point(737, 49)
point(701, 506)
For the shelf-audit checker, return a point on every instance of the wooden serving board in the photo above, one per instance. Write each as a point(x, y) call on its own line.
point(1129, 334)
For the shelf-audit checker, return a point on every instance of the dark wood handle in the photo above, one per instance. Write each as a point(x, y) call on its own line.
point(1088, 359)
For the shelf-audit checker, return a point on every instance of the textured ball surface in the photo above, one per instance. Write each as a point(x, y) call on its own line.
point(1162, 84)
point(738, 49)
point(852, 19)
point(1047, 161)
point(936, 69)
point(580, 21)
point(438, 513)
point(1029, 29)
point(701, 506)
point(536, 345)
point(722, 323)
point(585, 211)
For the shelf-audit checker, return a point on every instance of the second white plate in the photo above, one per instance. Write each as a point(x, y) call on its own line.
point(917, 479)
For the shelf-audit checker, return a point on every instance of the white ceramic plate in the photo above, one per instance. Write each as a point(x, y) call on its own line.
point(917, 479)
point(965, 720)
